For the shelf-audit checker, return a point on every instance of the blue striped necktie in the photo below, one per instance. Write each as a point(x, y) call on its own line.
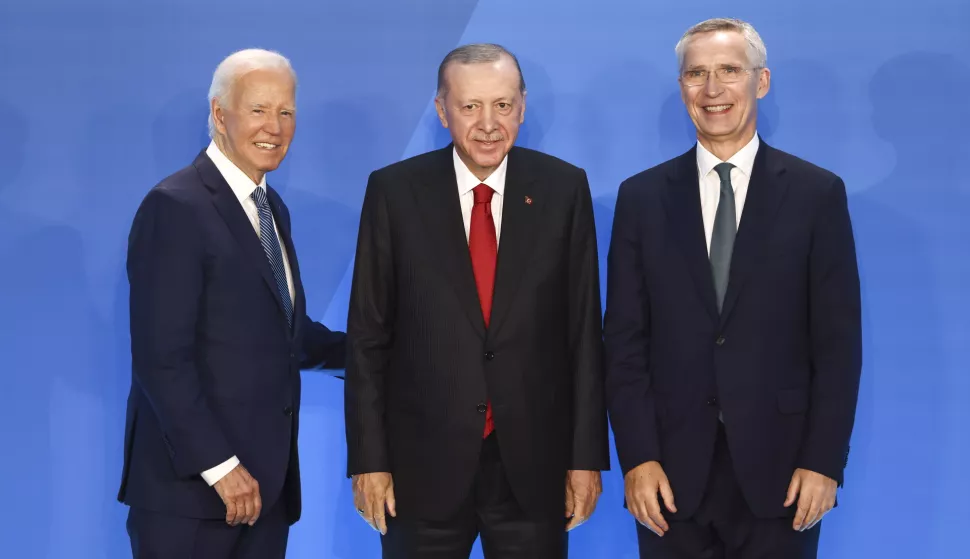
point(271, 246)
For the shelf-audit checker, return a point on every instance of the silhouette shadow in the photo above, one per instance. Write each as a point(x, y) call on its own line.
point(27, 244)
point(910, 231)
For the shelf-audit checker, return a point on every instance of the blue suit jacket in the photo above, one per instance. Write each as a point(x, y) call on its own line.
point(215, 367)
point(782, 361)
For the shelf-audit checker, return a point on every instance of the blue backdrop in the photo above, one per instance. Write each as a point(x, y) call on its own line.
point(101, 99)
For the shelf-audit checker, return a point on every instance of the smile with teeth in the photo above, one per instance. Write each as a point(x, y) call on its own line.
point(264, 145)
point(717, 108)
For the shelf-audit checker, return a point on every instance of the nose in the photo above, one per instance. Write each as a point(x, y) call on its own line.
point(713, 85)
point(489, 122)
point(273, 124)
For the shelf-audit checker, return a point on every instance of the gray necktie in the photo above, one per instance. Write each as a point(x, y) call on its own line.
point(725, 229)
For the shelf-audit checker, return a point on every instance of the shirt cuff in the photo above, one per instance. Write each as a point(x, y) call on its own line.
point(213, 475)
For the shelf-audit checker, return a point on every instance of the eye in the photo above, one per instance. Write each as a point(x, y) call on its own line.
point(504, 105)
point(693, 73)
point(732, 70)
point(286, 113)
point(258, 111)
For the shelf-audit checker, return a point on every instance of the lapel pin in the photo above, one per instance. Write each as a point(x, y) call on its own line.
point(528, 200)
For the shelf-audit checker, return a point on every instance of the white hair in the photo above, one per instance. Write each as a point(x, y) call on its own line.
point(234, 67)
point(757, 53)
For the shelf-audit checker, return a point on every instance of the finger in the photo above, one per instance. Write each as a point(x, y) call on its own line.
point(377, 510)
point(652, 526)
point(247, 509)
point(668, 496)
point(258, 506)
point(813, 514)
point(381, 523)
point(231, 511)
point(804, 503)
point(580, 512)
point(793, 489)
point(390, 501)
point(653, 510)
point(573, 523)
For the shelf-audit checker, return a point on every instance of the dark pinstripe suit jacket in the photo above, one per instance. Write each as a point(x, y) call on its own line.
point(422, 364)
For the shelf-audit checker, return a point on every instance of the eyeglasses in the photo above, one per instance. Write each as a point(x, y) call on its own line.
point(724, 74)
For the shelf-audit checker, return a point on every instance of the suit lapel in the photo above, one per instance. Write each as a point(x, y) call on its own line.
point(766, 190)
point(683, 205)
point(436, 195)
point(518, 234)
point(238, 223)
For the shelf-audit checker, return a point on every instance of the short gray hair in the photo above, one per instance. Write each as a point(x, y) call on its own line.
point(476, 53)
point(757, 53)
point(235, 66)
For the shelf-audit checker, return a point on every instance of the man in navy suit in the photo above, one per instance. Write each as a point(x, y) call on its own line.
point(732, 326)
point(219, 334)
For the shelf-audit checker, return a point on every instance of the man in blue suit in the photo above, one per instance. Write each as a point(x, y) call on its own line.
point(219, 334)
point(732, 326)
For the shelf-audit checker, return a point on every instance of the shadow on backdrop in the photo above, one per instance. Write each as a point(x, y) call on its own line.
point(911, 230)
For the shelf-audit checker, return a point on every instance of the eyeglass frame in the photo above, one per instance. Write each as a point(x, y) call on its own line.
point(716, 73)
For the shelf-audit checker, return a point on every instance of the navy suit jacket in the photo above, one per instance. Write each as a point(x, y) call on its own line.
point(215, 367)
point(782, 361)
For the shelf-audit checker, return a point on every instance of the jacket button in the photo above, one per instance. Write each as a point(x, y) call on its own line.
point(288, 411)
point(489, 355)
point(720, 340)
point(712, 401)
point(482, 408)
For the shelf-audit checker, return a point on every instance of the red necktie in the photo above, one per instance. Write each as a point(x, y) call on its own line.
point(483, 245)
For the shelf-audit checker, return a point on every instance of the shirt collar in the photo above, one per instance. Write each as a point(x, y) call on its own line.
point(468, 181)
point(743, 159)
point(240, 183)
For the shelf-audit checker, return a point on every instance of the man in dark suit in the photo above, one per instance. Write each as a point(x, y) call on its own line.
point(474, 394)
point(732, 327)
point(219, 334)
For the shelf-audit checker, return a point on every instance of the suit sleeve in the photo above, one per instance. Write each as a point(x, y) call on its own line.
point(370, 333)
point(166, 277)
point(629, 391)
point(591, 449)
point(323, 348)
point(836, 338)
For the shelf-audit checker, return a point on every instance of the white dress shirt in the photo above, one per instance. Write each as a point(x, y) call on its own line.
point(242, 186)
point(467, 183)
point(710, 182)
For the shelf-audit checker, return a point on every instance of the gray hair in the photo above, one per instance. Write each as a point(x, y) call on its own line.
point(235, 66)
point(757, 53)
point(476, 54)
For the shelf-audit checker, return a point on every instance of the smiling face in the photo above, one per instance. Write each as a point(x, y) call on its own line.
point(482, 107)
point(255, 125)
point(725, 114)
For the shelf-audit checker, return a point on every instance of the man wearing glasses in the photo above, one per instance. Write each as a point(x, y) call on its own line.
point(732, 329)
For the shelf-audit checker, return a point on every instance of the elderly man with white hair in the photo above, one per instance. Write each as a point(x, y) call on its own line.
point(219, 334)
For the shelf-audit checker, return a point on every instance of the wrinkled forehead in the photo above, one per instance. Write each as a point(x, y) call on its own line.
point(496, 78)
point(717, 49)
point(273, 84)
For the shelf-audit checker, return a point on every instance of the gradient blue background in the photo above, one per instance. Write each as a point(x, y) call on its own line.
point(101, 99)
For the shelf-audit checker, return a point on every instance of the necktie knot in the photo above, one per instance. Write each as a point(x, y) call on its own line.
point(259, 196)
point(723, 171)
point(483, 194)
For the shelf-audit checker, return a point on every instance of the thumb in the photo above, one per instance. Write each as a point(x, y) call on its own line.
point(668, 495)
point(793, 488)
point(391, 503)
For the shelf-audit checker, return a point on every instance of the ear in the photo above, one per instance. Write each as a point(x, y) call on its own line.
point(522, 112)
point(764, 82)
point(218, 116)
point(439, 107)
